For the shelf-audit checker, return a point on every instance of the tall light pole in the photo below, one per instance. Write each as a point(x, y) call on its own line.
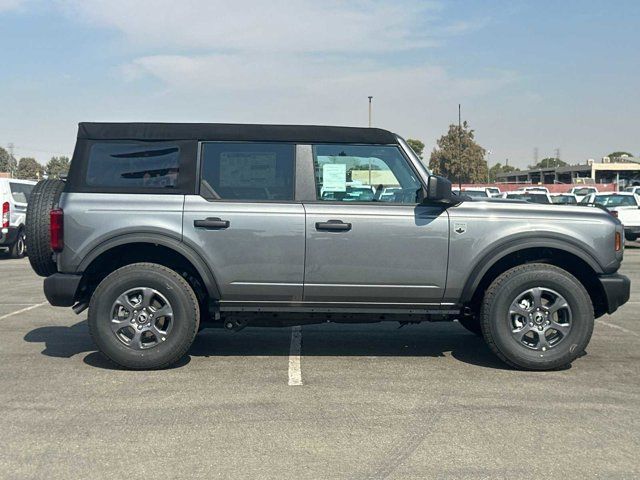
point(370, 98)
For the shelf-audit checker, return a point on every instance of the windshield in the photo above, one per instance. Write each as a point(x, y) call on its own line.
point(564, 200)
point(529, 197)
point(615, 201)
point(20, 191)
point(476, 193)
point(584, 191)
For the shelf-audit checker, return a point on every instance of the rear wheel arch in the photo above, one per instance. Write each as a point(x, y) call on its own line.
point(551, 251)
point(156, 248)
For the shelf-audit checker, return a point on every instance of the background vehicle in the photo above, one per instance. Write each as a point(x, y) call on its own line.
point(581, 192)
point(529, 196)
point(635, 190)
point(534, 189)
point(494, 192)
point(14, 196)
point(623, 205)
point(242, 232)
point(564, 198)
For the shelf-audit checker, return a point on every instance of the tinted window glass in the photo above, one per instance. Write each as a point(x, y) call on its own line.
point(615, 200)
point(124, 165)
point(476, 193)
point(20, 191)
point(247, 171)
point(363, 173)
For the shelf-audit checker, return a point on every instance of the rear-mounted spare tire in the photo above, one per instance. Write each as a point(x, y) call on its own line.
point(43, 199)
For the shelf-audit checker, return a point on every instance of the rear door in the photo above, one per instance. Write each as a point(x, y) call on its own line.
point(246, 223)
point(20, 193)
point(364, 246)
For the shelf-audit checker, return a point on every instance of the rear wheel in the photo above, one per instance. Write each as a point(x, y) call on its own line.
point(144, 316)
point(18, 249)
point(537, 317)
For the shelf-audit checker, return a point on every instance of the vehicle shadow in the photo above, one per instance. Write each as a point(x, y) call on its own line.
point(363, 340)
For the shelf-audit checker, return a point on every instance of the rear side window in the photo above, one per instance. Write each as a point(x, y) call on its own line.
point(247, 171)
point(133, 165)
point(20, 191)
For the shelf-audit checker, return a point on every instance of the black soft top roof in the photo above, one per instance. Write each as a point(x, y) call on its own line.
point(233, 132)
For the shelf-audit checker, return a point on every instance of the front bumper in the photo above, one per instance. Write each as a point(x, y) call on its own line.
point(61, 289)
point(617, 290)
point(9, 237)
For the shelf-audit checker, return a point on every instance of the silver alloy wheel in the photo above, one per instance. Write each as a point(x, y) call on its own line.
point(141, 318)
point(21, 246)
point(540, 318)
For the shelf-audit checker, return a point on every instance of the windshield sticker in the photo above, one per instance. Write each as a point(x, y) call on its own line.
point(334, 177)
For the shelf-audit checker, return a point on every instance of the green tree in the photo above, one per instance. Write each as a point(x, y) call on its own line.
point(57, 166)
point(549, 162)
point(29, 169)
point(459, 157)
point(7, 162)
point(416, 145)
point(499, 168)
point(619, 155)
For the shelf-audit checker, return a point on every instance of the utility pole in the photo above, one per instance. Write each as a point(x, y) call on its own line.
point(12, 167)
point(460, 147)
point(370, 98)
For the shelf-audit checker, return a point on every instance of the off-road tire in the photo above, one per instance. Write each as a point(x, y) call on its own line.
point(496, 327)
point(43, 199)
point(18, 249)
point(170, 284)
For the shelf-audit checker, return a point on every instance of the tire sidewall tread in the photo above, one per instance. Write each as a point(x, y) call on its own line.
point(514, 281)
point(178, 292)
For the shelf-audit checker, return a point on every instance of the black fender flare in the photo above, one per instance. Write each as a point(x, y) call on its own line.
point(157, 239)
point(524, 241)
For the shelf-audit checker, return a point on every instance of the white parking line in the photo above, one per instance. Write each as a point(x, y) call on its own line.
point(22, 310)
point(295, 373)
point(618, 327)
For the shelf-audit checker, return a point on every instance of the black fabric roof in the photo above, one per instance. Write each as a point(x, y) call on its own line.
point(233, 132)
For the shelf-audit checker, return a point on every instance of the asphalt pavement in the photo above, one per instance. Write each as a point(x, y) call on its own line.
point(370, 401)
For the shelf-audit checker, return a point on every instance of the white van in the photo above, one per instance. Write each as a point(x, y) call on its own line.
point(14, 195)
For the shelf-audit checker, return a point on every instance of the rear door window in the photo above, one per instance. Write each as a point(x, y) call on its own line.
point(133, 165)
point(20, 191)
point(247, 171)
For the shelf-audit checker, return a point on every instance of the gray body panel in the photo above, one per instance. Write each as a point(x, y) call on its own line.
point(260, 256)
point(272, 257)
point(92, 219)
point(392, 254)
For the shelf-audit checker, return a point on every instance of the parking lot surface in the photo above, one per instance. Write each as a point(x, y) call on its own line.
point(322, 402)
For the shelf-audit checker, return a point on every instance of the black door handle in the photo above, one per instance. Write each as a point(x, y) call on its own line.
point(333, 226)
point(213, 223)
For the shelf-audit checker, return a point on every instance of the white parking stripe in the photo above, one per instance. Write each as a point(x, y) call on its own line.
point(22, 310)
point(295, 373)
point(618, 327)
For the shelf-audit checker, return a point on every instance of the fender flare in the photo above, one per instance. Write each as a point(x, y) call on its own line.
point(524, 242)
point(157, 239)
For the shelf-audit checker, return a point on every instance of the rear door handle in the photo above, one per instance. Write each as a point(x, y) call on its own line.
point(333, 226)
point(213, 223)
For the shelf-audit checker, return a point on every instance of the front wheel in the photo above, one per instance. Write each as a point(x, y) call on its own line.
point(537, 317)
point(144, 316)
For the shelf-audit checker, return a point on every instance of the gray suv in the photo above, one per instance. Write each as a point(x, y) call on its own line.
point(161, 229)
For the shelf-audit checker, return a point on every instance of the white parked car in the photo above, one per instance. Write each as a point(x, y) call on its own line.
point(581, 192)
point(533, 189)
point(14, 195)
point(529, 196)
point(635, 190)
point(564, 198)
point(624, 205)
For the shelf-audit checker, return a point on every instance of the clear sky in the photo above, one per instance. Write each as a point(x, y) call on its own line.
point(545, 74)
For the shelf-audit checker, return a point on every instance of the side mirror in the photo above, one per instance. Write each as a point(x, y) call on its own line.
point(439, 191)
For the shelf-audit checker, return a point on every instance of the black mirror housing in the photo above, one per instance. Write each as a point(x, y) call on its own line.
point(438, 190)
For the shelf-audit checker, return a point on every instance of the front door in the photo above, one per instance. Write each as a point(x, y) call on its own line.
point(368, 241)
